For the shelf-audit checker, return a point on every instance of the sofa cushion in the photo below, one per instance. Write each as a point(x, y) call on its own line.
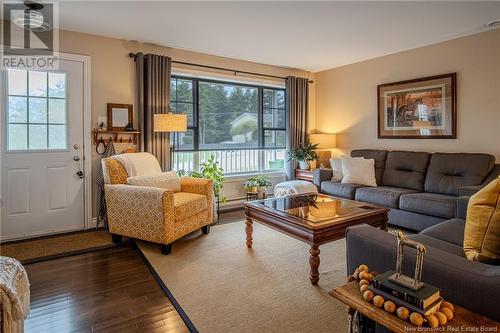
point(337, 189)
point(482, 226)
point(378, 155)
point(448, 172)
point(383, 195)
point(358, 171)
point(188, 204)
point(438, 244)
point(441, 205)
point(406, 169)
point(451, 231)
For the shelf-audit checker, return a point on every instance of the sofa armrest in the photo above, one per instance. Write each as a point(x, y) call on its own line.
point(467, 191)
point(321, 175)
point(201, 186)
point(461, 208)
point(141, 212)
point(472, 285)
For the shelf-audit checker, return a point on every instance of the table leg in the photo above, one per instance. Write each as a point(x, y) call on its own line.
point(249, 231)
point(314, 263)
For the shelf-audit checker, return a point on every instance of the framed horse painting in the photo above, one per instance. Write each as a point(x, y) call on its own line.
point(424, 108)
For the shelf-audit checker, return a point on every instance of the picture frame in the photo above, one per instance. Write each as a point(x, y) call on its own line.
point(119, 115)
point(423, 108)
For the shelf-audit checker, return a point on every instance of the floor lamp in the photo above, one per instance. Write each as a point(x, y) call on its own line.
point(169, 123)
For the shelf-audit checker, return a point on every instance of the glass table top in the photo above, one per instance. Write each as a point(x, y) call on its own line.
point(317, 209)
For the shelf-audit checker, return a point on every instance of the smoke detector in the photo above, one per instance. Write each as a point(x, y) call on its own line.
point(32, 18)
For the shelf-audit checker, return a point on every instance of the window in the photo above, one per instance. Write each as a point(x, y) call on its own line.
point(36, 110)
point(243, 125)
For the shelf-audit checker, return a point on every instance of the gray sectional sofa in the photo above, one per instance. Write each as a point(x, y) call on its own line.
point(427, 193)
point(421, 189)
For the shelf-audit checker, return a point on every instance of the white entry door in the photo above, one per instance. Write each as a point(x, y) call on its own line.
point(42, 175)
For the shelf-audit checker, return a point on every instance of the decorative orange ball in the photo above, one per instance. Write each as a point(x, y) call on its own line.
point(441, 317)
point(448, 305)
point(368, 295)
point(365, 275)
point(432, 321)
point(378, 301)
point(447, 312)
point(363, 288)
point(362, 282)
point(363, 268)
point(403, 313)
point(416, 319)
point(389, 306)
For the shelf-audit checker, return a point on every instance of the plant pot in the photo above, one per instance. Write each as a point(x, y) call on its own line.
point(261, 192)
point(303, 165)
point(253, 189)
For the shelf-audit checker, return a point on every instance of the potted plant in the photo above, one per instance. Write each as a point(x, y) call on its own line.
point(304, 153)
point(210, 170)
point(258, 184)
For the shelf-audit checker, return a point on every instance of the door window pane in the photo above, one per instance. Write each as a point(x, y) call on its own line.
point(184, 108)
point(37, 83)
point(17, 82)
point(57, 111)
point(57, 136)
point(18, 109)
point(38, 110)
point(274, 98)
point(18, 137)
point(57, 85)
point(183, 140)
point(36, 121)
point(37, 136)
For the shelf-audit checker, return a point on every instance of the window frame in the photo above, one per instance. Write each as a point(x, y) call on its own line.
point(260, 113)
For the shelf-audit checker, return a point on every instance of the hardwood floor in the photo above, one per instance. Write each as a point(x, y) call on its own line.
point(110, 290)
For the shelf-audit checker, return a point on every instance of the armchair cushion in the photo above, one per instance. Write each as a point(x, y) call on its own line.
point(188, 204)
point(168, 180)
point(139, 164)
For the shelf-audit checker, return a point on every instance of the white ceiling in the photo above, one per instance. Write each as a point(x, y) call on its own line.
point(309, 35)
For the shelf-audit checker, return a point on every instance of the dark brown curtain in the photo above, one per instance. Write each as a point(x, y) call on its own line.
point(297, 91)
point(153, 96)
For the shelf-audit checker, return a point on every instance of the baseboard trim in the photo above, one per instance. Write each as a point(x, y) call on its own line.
point(169, 294)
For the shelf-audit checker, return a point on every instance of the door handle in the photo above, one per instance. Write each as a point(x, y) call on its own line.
point(76, 158)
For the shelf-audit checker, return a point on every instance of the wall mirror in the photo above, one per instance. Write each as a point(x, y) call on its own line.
point(119, 115)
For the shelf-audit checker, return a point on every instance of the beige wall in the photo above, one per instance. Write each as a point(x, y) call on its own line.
point(113, 73)
point(346, 96)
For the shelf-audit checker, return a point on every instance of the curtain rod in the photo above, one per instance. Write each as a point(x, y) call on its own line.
point(133, 55)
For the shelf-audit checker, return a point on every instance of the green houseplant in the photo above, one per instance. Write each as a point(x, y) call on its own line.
point(304, 153)
point(258, 184)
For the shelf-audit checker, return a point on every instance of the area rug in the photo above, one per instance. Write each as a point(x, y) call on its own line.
point(224, 287)
point(30, 251)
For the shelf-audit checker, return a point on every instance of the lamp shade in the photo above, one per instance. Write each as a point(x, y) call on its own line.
point(170, 122)
point(324, 141)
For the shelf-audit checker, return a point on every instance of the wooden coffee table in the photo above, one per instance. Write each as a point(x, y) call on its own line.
point(315, 219)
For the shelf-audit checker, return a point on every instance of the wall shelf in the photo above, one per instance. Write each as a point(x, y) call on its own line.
point(116, 136)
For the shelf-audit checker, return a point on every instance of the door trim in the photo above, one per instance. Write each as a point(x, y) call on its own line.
point(87, 136)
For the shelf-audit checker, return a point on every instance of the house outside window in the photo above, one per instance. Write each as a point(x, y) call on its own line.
point(242, 125)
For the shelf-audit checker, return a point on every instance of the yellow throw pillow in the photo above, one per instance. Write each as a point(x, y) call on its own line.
point(116, 171)
point(482, 227)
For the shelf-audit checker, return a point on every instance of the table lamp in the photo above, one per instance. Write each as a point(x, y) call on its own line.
point(325, 141)
point(168, 123)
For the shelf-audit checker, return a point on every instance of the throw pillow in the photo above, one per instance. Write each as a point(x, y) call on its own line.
point(336, 164)
point(482, 226)
point(359, 171)
point(168, 180)
point(114, 172)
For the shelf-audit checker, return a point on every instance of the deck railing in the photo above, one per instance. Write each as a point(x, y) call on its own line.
point(233, 161)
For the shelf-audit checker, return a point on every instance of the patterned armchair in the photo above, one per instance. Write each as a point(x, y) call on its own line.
point(150, 213)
